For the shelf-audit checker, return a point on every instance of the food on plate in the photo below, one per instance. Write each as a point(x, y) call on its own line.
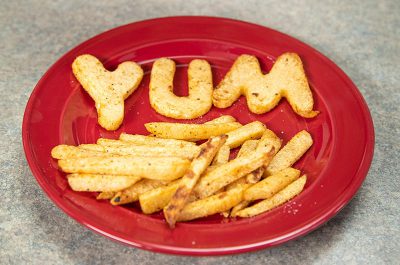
point(105, 195)
point(279, 198)
point(161, 91)
point(199, 164)
point(222, 156)
point(100, 182)
point(191, 132)
point(161, 168)
point(263, 92)
point(107, 89)
point(138, 139)
point(227, 173)
point(222, 119)
point(253, 130)
point(132, 193)
point(290, 153)
point(211, 205)
point(167, 170)
point(269, 186)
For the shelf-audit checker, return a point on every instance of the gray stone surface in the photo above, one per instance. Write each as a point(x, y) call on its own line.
point(362, 37)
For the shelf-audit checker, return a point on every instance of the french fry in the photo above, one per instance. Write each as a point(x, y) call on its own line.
point(271, 185)
point(247, 147)
point(192, 132)
point(91, 147)
point(162, 168)
point(155, 200)
point(222, 156)
point(229, 172)
point(267, 139)
point(188, 152)
point(189, 180)
point(290, 153)
point(132, 193)
point(253, 130)
point(97, 182)
point(278, 199)
point(238, 207)
point(211, 205)
point(222, 119)
point(68, 151)
point(153, 141)
point(105, 195)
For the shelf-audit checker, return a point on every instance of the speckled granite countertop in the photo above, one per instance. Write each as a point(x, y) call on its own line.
point(362, 37)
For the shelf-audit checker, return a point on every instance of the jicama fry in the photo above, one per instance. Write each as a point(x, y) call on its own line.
point(162, 168)
point(97, 182)
point(189, 180)
point(281, 197)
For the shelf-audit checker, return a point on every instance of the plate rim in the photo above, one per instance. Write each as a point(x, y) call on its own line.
point(352, 189)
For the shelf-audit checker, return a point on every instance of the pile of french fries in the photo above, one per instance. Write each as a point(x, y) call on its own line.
point(168, 171)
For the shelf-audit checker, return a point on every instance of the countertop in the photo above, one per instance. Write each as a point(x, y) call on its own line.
point(361, 37)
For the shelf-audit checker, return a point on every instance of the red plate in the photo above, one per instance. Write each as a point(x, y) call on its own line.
point(60, 112)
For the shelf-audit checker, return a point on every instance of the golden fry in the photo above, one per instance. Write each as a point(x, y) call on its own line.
point(189, 180)
point(253, 130)
point(290, 153)
point(162, 168)
point(222, 119)
point(132, 193)
point(271, 185)
point(192, 132)
point(222, 156)
point(105, 195)
point(211, 205)
point(281, 197)
point(97, 182)
point(153, 141)
point(229, 172)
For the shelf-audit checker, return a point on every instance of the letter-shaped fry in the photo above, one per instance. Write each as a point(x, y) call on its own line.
point(263, 92)
point(165, 102)
point(107, 89)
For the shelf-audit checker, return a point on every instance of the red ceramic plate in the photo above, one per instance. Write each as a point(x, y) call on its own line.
point(60, 112)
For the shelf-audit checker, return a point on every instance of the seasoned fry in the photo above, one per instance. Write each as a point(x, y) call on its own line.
point(97, 182)
point(68, 151)
point(247, 147)
point(269, 138)
point(263, 92)
point(271, 185)
point(188, 152)
point(105, 195)
point(281, 197)
point(211, 205)
point(162, 168)
point(155, 200)
point(132, 193)
point(189, 180)
point(222, 156)
point(91, 147)
point(238, 207)
point(253, 130)
point(192, 132)
point(229, 172)
point(290, 153)
point(222, 119)
point(153, 141)
point(164, 101)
